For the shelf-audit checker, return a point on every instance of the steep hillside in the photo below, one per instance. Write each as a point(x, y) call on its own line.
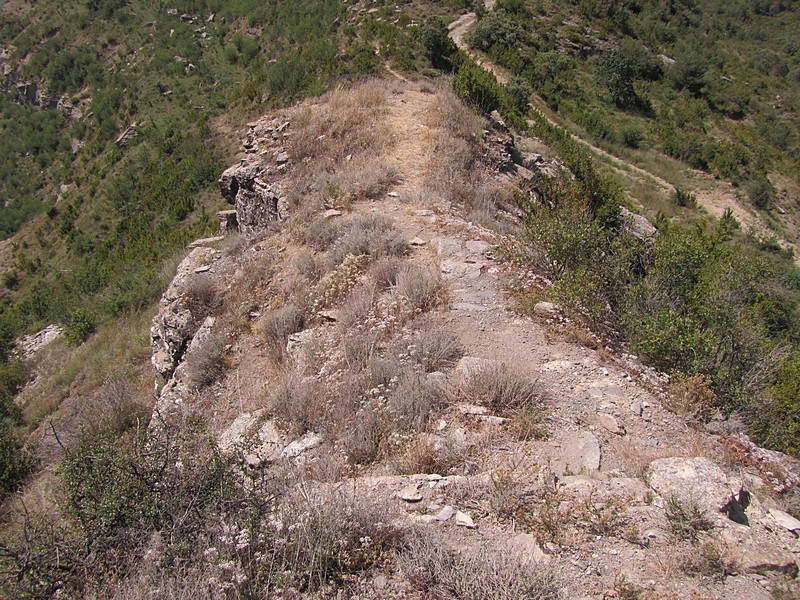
point(428, 335)
point(384, 421)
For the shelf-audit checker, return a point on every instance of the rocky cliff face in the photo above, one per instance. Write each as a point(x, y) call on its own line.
point(253, 185)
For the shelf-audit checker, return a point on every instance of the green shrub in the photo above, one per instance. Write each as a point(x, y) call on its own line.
point(630, 135)
point(79, 327)
point(498, 29)
point(435, 40)
point(684, 198)
point(761, 193)
point(478, 87)
point(15, 462)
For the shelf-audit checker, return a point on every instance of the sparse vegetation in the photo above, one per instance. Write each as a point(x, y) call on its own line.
point(686, 518)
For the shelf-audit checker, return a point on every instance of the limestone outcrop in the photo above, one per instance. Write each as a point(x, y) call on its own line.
point(175, 324)
point(256, 201)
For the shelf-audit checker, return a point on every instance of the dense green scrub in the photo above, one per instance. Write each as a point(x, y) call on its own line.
point(714, 84)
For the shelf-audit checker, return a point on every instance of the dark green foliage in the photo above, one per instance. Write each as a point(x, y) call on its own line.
point(776, 422)
point(497, 31)
point(434, 38)
point(15, 462)
point(689, 71)
point(683, 198)
point(70, 71)
point(78, 327)
point(694, 301)
point(630, 135)
point(617, 72)
point(761, 193)
point(517, 95)
point(478, 87)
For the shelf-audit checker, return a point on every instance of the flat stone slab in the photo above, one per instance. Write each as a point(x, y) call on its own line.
point(478, 246)
point(573, 452)
point(206, 241)
point(469, 307)
point(469, 365)
point(785, 520)
point(691, 479)
point(297, 447)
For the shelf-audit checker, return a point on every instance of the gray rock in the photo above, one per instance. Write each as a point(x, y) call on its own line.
point(463, 519)
point(478, 246)
point(636, 408)
point(307, 442)
point(785, 520)
point(637, 225)
point(256, 201)
point(174, 324)
point(609, 423)
point(31, 344)
point(417, 241)
point(444, 514)
point(282, 158)
point(331, 213)
point(691, 479)
point(437, 377)
point(545, 310)
point(410, 493)
point(209, 241)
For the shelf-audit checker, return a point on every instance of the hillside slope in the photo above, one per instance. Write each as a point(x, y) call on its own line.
point(363, 359)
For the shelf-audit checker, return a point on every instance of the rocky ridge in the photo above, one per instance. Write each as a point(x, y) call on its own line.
point(613, 466)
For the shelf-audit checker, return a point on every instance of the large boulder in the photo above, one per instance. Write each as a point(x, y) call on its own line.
point(255, 200)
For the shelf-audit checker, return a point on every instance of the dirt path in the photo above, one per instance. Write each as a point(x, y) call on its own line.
point(412, 149)
point(603, 425)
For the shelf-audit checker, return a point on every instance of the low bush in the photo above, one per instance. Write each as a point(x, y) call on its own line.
point(412, 402)
point(708, 560)
point(686, 518)
point(499, 387)
point(298, 404)
point(15, 460)
point(684, 198)
point(436, 350)
point(478, 87)
point(204, 364)
point(372, 236)
point(424, 290)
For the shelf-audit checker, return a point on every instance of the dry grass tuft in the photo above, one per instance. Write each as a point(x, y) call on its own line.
point(359, 305)
point(686, 518)
point(708, 560)
point(691, 398)
point(385, 271)
point(359, 182)
point(205, 364)
point(298, 404)
point(436, 350)
point(344, 122)
point(423, 289)
point(202, 298)
point(483, 574)
point(276, 327)
point(116, 408)
point(413, 401)
point(369, 235)
point(501, 388)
